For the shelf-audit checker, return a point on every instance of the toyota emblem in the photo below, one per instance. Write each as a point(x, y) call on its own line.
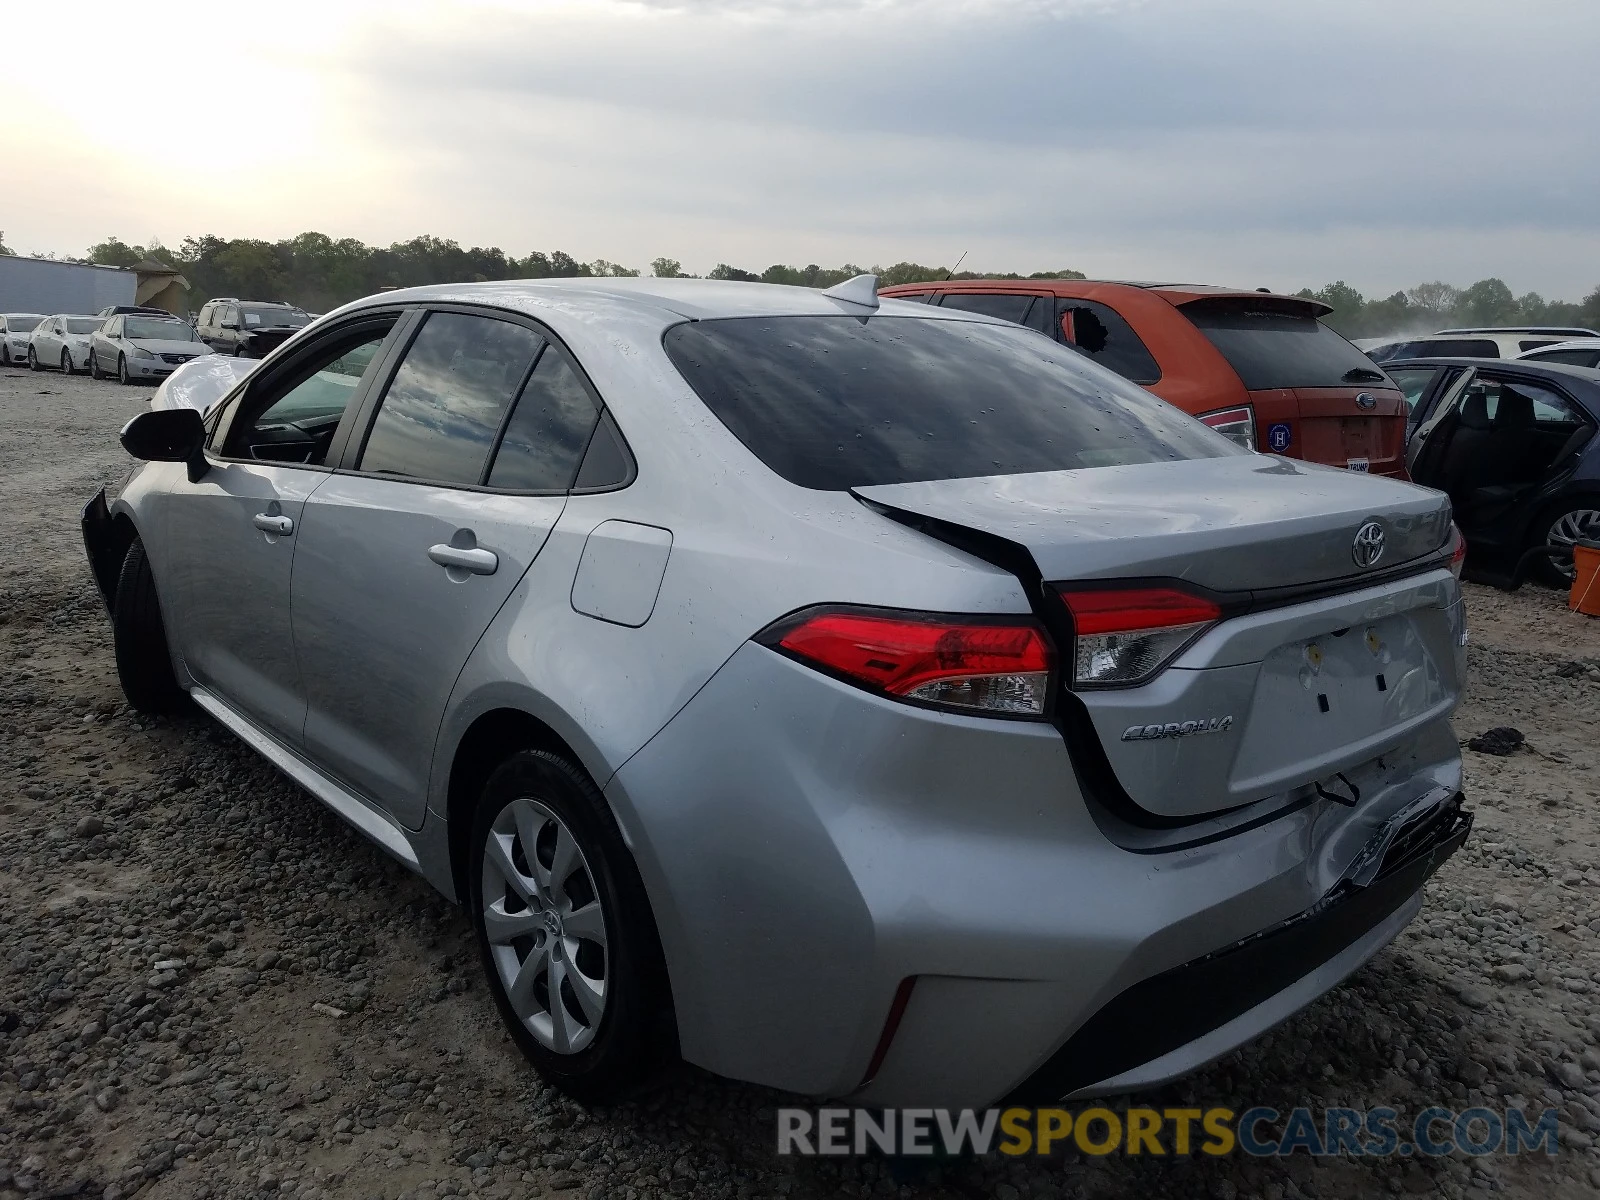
point(1368, 548)
point(1366, 400)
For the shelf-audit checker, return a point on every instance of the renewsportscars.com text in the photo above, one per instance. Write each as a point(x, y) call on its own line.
point(1179, 1132)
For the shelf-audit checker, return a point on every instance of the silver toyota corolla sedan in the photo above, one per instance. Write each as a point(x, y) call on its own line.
point(862, 699)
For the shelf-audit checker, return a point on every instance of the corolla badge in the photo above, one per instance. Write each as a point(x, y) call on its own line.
point(1366, 400)
point(1177, 729)
point(1368, 547)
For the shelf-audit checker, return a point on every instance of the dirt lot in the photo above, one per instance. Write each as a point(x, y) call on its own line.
point(171, 909)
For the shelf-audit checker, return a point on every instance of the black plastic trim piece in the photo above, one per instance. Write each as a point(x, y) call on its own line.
point(1160, 1014)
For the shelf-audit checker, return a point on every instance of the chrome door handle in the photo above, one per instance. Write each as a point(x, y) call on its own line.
point(273, 523)
point(479, 562)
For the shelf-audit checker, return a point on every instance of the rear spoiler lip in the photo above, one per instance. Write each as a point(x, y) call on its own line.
point(1238, 604)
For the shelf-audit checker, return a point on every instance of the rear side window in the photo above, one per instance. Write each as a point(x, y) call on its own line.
point(548, 430)
point(1447, 348)
point(913, 297)
point(1100, 331)
point(1270, 347)
point(1535, 343)
point(1572, 358)
point(834, 403)
point(1007, 306)
point(441, 414)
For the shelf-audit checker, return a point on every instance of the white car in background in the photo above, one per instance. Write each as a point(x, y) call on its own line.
point(1579, 352)
point(61, 341)
point(136, 346)
point(14, 331)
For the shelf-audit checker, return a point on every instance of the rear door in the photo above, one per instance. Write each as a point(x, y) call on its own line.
point(406, 556)
point(1315, 395)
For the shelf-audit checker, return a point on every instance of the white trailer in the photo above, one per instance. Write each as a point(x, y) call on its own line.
point(42, 285)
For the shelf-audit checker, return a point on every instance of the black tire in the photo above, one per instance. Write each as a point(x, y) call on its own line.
point(1557, 572)
point(33, 360)
point(636, 1033)
point(144, 663)
point(122, 370)
point(94, 367)
point(66, 362)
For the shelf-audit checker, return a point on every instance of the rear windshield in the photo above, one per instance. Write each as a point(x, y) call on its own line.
point(83, 324)
point(275, 318)
point(835, 402)
point(1275, 349)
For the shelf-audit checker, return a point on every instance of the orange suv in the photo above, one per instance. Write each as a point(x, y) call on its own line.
point(1257, 367)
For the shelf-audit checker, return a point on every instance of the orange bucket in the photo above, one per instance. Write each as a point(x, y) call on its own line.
point(1585, 597)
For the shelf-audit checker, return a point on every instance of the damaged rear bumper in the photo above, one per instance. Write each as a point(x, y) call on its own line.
point(1173, 1023)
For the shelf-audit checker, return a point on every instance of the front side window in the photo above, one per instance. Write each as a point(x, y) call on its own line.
point(304, 408)
point(442, 413)
point(1102, 333)
point(548, 429)
point(1413, 382)
point(834, 403)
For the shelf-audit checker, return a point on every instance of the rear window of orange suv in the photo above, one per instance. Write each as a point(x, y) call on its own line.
point(1271, 347)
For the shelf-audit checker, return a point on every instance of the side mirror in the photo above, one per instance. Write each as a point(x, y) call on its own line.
point(168, 435)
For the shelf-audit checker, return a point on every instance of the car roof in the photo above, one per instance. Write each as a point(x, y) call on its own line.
point(690, 299)
point(1573, 330)
point(1176, 293)
point(1589, 375)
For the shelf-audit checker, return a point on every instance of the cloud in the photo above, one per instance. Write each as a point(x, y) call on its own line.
point(1235, 140)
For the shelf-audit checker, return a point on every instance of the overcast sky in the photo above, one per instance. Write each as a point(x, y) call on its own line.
point(1278, 143)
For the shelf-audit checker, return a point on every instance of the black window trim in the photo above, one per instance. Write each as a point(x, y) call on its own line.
point(361, 427)
point(245, 395)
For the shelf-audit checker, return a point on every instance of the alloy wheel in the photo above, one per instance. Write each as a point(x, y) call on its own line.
point(122, 369)
point(66, 362)
point(33, 360)
point(545, 926)
point(1579, 524)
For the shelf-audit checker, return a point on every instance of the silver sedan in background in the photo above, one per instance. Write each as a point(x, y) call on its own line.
point(14, 331)
point(137, 346)
point(858, 698)
point(61, 342)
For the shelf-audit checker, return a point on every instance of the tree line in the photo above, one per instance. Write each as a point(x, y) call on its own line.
point(317, 273)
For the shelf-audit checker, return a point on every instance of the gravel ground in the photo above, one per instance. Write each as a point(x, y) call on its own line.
point(172, 911)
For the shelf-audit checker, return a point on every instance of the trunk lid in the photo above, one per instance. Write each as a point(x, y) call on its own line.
point(1290, 692)
point(1235, 524)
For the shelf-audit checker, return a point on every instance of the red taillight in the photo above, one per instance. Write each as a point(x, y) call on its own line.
point(1238, 425)
point(1458, 553)
point(1126, 635)
point(972, 663)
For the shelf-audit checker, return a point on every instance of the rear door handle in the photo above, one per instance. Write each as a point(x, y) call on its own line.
point(478, 561)
point(273, 523)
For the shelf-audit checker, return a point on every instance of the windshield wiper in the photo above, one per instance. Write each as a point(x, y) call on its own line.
point(1361, 374)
